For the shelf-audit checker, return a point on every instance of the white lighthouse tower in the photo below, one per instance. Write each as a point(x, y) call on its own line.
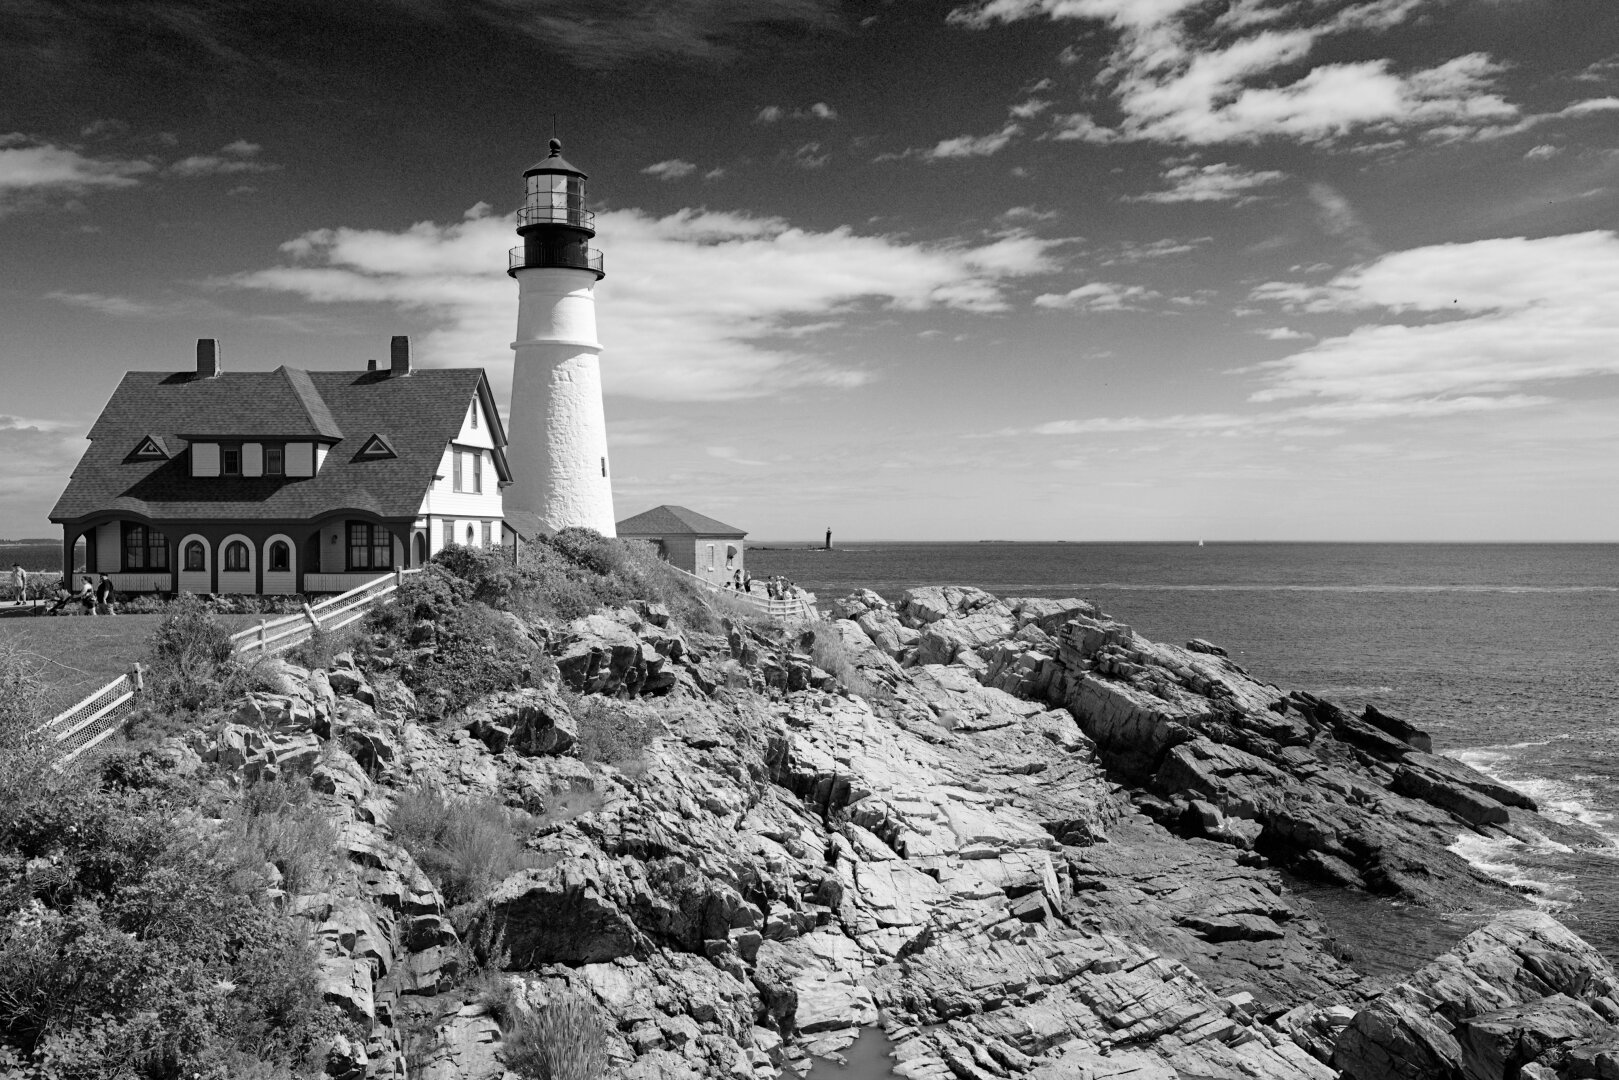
point(558, 431)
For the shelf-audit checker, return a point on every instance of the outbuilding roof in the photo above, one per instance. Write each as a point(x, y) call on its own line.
point(416, 416)
point(668, 520)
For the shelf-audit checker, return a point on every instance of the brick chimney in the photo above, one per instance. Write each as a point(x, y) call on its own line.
point(207, 357)
point(400, 352)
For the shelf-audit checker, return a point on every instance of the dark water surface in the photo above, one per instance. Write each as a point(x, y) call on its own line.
point(1506, 653)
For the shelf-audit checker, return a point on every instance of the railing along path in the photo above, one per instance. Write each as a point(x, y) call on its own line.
point(801, 605)
point(92, 720)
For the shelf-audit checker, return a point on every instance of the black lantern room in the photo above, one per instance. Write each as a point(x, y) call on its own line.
point(553, 222)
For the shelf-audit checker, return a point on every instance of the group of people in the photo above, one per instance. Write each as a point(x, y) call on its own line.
point(95, 594)
point(776, 588)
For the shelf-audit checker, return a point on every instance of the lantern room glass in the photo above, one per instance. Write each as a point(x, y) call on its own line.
point(557, 198)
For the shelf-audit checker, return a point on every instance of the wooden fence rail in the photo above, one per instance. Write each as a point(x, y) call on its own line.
point(88, 723)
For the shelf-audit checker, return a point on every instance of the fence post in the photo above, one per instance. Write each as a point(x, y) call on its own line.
point(309, 612)
point(264, 634)
point(137, 678)
point(399, 576)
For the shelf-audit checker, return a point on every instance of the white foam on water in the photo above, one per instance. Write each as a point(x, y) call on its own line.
point(1568, 801)
point(1544, 888)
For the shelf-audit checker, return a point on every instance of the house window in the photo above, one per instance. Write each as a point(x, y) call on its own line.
point(237, 557)
point(474, 416)
point(275, 461)
point(456, 454)
point(477, 471)
point(370, 547)
point(196, 555)
point(280, 556)
point(711, 556)
point(469, 534)
point(230, 461)
point(145, 549)
point(487, 537)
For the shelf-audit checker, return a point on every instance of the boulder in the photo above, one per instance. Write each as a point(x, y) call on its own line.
point(560, 915)
point(1498, 1044)
point(1400, 729)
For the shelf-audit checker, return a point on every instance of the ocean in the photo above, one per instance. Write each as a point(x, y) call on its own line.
point(1505, 653)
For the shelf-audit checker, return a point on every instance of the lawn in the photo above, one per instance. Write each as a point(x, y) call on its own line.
point(81, 653)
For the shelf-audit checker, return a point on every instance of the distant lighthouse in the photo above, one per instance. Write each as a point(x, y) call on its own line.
point(558, 430)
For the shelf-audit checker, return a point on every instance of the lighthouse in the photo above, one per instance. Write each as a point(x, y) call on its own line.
point(558, 430)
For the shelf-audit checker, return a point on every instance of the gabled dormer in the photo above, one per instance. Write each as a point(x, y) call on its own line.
point(149, 448)
point(376, 448)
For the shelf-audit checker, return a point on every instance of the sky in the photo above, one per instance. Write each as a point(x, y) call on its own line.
point(991, 269)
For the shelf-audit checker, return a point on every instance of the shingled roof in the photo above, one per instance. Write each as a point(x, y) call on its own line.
point(675, 521)
point(416, 416)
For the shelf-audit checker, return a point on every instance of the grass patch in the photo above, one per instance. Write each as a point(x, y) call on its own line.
point(465, 846)
point(80, 655)
point(614, 732)
point(564, 1039)
point(829, 653)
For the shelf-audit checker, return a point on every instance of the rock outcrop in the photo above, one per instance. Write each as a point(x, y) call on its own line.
point(1046, 848)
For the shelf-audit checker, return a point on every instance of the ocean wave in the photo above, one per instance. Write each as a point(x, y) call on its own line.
point(1545, 888)
point(1119, 586)
point(1566, 800)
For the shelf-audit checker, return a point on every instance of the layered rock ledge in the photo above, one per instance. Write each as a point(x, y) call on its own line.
point(1036, 845)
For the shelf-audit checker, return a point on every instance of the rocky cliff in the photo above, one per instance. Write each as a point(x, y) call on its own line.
point(1034, 845)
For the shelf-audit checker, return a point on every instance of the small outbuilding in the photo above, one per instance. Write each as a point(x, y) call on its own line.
point(694, 542)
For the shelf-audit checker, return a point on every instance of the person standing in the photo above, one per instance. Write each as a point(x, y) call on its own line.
point(87, 595)
point(104, 594)
point(19, 581)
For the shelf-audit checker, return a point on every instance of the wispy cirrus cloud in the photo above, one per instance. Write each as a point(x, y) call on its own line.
point(1211, 183)
point(1176, 76)
point(961, 146)
point(775, 114)
point(233, 158)
point(1098, 296)
point(735, 343)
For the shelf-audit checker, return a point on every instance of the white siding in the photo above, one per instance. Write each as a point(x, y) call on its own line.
point(109, 547)
point(476, 436)
point(300, 459)
point(320, 455)
point(205, 459)
point(252, 459)
point(442, 498)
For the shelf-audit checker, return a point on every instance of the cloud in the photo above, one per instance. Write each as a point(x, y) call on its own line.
point(232, 158)
point(39, 454)
point(1178, 77)
point(31, 170)
point(774, 114)
point(1098, 296)
point(1485, 321)
point(599, 34)
point(1542, 152)
point(961, 146)
point(106, 304)
point(1337, 218)
point(1033, 107)
point(660, 272)
point(673, 169)
point(808, 156)
point(1211, 183)
point(1282, 333)
point(1131, 251)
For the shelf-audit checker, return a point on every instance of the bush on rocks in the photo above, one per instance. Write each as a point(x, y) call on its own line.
point(128, 949)
point(465, 846)
point(193, 666)
point(612, 732)
point(564, 1039)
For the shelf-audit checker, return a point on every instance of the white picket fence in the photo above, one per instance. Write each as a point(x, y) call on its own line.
point(801, 605)
point(94, 719)
point(273, 635)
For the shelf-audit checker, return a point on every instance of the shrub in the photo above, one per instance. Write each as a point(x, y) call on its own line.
point(829, 653)
point(193, 664)
point(588, 549)
point(612, 732)
point(564, 1039)
point(127, 948)
point(465, 846)
point(277, 822)
point(490, 573)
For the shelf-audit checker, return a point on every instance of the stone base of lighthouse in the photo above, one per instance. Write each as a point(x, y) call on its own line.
point(558, 429)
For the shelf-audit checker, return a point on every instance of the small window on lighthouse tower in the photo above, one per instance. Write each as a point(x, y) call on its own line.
point(604, 466)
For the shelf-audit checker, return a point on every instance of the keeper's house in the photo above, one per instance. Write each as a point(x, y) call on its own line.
point(284, 481)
